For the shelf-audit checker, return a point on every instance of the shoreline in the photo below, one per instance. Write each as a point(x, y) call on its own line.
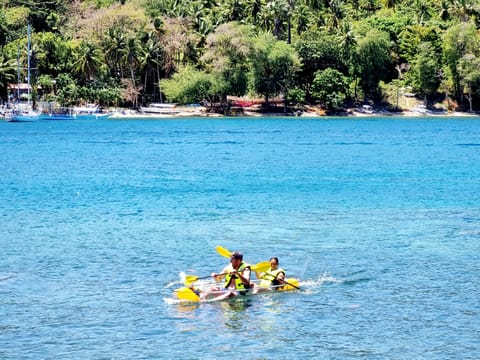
point(201, 113)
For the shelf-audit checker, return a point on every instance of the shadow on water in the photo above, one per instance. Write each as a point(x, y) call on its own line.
point(236, 305)
point(234, 312)
point(355, 277)
point(356, 281)
point(5, 278)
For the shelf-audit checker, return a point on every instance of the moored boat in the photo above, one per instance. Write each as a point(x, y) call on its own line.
point(23, 113)
point(6, 113)
point(89, 111)
point(58, 114)
point(160, 109)
point(91, 116)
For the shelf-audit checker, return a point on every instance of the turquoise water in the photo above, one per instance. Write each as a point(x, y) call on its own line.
point(379, 218)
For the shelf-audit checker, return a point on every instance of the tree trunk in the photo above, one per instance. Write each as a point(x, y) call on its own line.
point(469, 98)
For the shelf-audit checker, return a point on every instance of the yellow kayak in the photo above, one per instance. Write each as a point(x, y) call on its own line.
point(192, 294)
point(290, 284)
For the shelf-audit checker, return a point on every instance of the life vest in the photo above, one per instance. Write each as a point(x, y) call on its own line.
point(270, 277)
point(239, 285)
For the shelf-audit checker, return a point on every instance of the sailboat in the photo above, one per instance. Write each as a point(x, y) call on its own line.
point(24, 112)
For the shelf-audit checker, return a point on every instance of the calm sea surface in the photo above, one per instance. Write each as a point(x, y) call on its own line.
point(379, 218)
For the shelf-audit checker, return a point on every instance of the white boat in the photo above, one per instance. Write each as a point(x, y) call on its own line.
point(23, 112)
point(160, 109)
point(6, 113)
point(89, 111)
point(58, 114)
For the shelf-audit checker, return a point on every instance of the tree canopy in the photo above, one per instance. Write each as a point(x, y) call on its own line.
point(132, 52)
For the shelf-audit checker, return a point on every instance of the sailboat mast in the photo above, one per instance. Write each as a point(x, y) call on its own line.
point(18, 73)
point(28, 63)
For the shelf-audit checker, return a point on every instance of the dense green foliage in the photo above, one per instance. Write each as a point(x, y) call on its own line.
point(331, 52)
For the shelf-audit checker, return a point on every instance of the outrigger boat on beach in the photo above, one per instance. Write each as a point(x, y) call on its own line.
point(198, 291)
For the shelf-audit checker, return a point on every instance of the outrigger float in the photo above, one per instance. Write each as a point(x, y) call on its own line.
point(198, 291)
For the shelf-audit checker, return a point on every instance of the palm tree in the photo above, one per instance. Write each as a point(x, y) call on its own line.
point(113, 44)
point(130, 56)
point(335, 14)
point(315, 4)
point(302, 16)
point(253, 8)
point(421, 10)
point(390, 4)
point(87, 60)
point(230, 10)
point(348, 40)
point(149, 59)
point(443, 9)
point(277, 12)
point(7, 74)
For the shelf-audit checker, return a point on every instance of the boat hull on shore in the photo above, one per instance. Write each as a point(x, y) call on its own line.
point(93, 116)
point(89, 112)
point(159, 109)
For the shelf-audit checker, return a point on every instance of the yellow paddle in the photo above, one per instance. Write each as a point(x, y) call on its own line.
point(293, 283)
point(260, 267)
point(295, 286)
point(222, 251)
point(188, 294)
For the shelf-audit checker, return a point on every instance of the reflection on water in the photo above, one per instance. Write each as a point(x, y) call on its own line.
point(234, 312)
point(186, 310)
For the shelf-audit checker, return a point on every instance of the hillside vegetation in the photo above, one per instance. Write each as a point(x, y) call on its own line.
point(331, 53)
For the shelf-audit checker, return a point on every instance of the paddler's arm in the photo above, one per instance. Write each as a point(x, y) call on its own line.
point(259, 275)
point(218, 277)
point(244, 276)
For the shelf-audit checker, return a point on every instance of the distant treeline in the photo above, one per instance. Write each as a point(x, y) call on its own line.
point(326, 52)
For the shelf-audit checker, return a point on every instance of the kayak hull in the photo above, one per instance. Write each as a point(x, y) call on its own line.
point(192, 294)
